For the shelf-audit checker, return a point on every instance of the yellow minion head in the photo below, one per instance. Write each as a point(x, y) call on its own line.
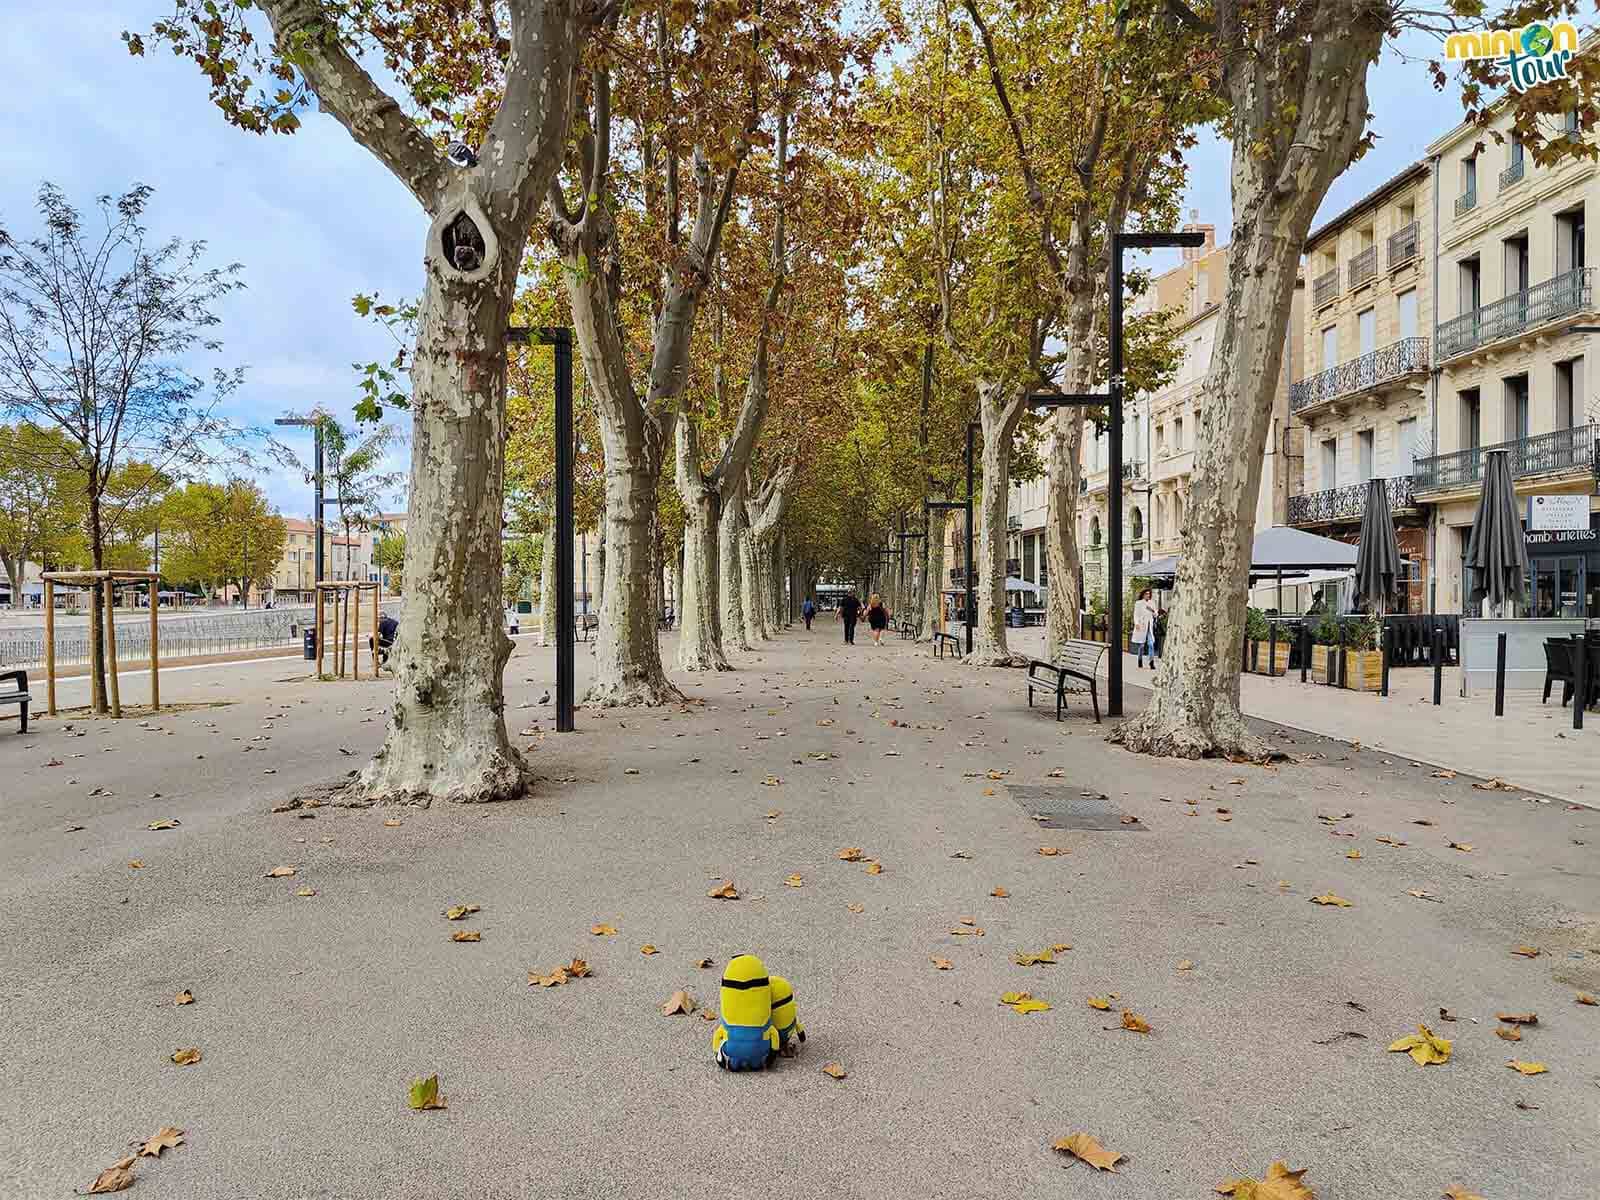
point(785, 1015)
point(746, 993)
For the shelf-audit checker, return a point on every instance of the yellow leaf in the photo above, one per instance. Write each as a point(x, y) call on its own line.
point(555, 979)
point(941, 964)
point(726, 892)
point(1424, 1046)
point(1585, 998)
point(850, 854)
point(1061, 947)
point(1457, 1192)
point(1000, 893)
point(114, 1178)
point(1134, 1022)
point(466, 935)
point(186, 1057)
point(458, 911)
point(1331, 899)
point(771, 781)
point(1509, 1033)
point(1464, 847)
point(1023, 1002)
point(1026, 958)
point(1084, 1148)
point(1051, 851)
point(393, 823)
point(306, 891)
point(835, 1070)
point(165, 1138)
point(988, 791)
point(1186, 965)
point(679, 1003)
point(1526, 951)
point(874, 868)
point(184, 997)
point(1354, 854)
point(1099, 1003)
point(425, 1094)
point(603, 930)
point(794, 881)
point(647, 949)
point(279, 873)
point(1527, 1068)
point(1280, 1183)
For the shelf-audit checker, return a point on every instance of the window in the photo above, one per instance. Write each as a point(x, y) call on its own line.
point(1569, 388)
point(1469, 175)
point(1177, 516)
point(1516, 150)
point(1569, 241)
point(1367, 326)
point(1330, 346)
point(1516, 417)
point(1028, 558)
point(1471, 420)
point(1469, 284)
point(1516, 258)
point(1406, 446)
point(1364, 448)
point(1330, 464)
point(1406, 304)
point(1177, 435)
point(1094, 531)
point(1161, 439)
point(1136, 524)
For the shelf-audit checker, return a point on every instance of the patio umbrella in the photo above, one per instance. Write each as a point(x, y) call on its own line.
point(1496, 552)
point(1377, 554)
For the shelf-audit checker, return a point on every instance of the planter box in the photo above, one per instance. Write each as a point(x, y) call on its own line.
point(1362, 670)
point(1278, 652)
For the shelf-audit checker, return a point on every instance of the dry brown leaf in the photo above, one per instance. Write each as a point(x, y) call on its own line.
point(679, 1003)
point(702, 963)
point(1061, 947)
point(726, 892)
point(1508, 1033)
point(1464, 847)
point(874, 868)
point(856, 908)
point(1585, 998)
point(170, 823)
point(1100, 1003)
point(647, 949)
point(1527, 1068)
point(186, 1056)
point(1334, 901)
point(603, 930)
point(577, 968)
point(1186, 965)
point(1280, 1183)
point(1133, 1022)
point(393, 823)
point(835, 1070)
point(1085, 1149)
point(1353, 854)
point(1518, 1018)
point(1526, 951)
point(794, 881)
point(114, 1178)
point(1389, 841)
point(458, 911)
point(1457, 1192)
point(1130, 820)
point(1444, 773)
point(164, 1138)
point(850, 854)
point(1050, 851)
point(184, 997)
point(941, 964)
point(554, 979)
point(466, 935)
point(1000, 893)
point(279, 873)
point(1423, 895)
point(1495, 785)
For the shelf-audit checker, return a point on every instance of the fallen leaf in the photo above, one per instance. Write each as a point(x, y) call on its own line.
point(1280, 1183)
point(1025, 958)
point(1457, 1192)
point(554, 979)
point(941, 964)
point(279, 873)
point(1000, 893)
point(1102, 1004)
point(184, 997)
point(679, 1003)
point(726, 892)
point(1334, 901)
point(1526, 951)
point(794, 881)
point(1526, 1107)
point(1495, 785)
point(1061, 947)
point(393, 823)
point(1508, 1033)
point(648, 949)
point(577, 968)
point(1464, 847)
point(1023, 1002)
point(114, 1178)
point(835, 1070)
point(1354, 854)
point(135, 863)
point(1585, 998)
point(456, 912)
point(1527, 1068)
point(856, 908)
point(850, 854)
point(1518, 1018)
point(425, 1094)
point(1422, 895)
point(170, 823)
point(771, 781)
point(165, 1138)
point(1446, 1015)
point(772, 813)
point(603, 930)
point(1050, 851)
point(1134, 1022)
point(466, 935)
point(874, 868)
point(1085, 1149)
point(306, 891)
point(1389, 841)
point(1130, 820)
point(1422, 821)
point(967, 931)
point(702, 963)
point(1425, 1047)
point(1444, 773)
point(186, 1057)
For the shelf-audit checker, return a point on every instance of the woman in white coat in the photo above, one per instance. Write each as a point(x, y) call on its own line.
point(1144, 628)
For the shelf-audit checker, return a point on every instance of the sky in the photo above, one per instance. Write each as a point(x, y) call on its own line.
point(314, 219)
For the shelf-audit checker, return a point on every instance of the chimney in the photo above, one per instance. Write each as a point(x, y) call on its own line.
point(1190, 253)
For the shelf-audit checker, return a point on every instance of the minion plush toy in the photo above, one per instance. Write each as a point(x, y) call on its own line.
point(785, 1017)
point(745, 1038)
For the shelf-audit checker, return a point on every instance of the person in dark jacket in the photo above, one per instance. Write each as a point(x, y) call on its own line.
point(849, 610)
point(877, 618)
point(808, 610)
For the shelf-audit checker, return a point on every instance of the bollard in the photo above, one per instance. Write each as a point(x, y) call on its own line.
point(1580, 684)
point(1305, 651)
point(1500, 675)
point(1272, 649)
point(1387, 649)
point(1438, 665)
point(1244, 652)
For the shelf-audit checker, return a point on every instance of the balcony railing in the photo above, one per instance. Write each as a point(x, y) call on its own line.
point(1512, 174)
point(1563, 450)
point(1467, 201)
point(1364, 266)
point(1547, 301)
point(1326, 288)
point(1346, 503)
point(1013, 522)
point(1371, 369)
point(1403, 245)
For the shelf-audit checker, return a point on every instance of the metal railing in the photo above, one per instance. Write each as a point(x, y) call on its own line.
point(207, 633)
point(1376, 366)
point(1364, 266)
point(1557, 297)
point(1013, 522)
point(1545, 453)
point(1346, 503)
point(1467, 201)
point(1512, 174)
point(1325, 289)
point(1403, 245)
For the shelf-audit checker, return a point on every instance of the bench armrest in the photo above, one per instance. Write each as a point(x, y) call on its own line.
point(21, 678)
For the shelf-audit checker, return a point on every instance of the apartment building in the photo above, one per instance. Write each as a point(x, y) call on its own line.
point(1514, 284)
point(1361, 402)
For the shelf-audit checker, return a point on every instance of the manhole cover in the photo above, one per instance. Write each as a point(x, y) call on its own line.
point(1069, 808)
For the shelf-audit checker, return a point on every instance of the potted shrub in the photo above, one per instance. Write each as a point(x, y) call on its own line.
point(1266, 657)
point(1344, 653)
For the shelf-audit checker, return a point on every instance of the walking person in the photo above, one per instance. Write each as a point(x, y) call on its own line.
point(877, 618)
point(1144, 628)
point(808, 610)
point(849, 610)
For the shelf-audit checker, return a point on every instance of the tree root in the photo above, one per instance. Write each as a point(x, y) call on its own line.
point(634, 693)
point(981, 658)
point(1155, 733)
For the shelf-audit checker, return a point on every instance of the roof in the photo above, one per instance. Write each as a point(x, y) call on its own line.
point(1280, 548)
point(1414, 171)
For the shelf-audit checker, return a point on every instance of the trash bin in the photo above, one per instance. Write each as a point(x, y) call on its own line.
point(311, 645)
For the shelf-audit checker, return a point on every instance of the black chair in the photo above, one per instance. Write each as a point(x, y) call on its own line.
point(1557, 668)
point(17, 695)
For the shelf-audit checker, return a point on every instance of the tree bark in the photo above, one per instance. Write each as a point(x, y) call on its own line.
point(730, 540)
point(547, 588)
point(97, 614)
point(1063, 618)
point(932, 581)
point(765, 512)
point(1282, 169)
point(700, 628)
point(1000, 410)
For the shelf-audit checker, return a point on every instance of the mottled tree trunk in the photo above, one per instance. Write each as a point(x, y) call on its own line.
point(1000, 409)
point(1282, 169)
point(730, 538)
point(933, 577)
point(1063, 619)
point(547, 589)
point(97, 644)
point(700, 630)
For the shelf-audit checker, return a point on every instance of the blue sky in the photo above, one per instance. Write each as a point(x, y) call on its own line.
point(314, 219)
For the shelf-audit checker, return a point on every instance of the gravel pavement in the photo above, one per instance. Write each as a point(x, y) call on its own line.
point(1270, 1014)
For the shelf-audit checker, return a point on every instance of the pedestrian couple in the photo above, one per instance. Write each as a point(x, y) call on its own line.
point(877, 617)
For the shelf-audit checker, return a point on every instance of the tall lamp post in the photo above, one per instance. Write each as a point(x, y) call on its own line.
point(1112, 397)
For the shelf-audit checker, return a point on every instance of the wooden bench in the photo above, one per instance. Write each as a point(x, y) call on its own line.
point(1074, 670)
point(18, 696)
point(587, 623)
point(907, 630)
point(941, 640)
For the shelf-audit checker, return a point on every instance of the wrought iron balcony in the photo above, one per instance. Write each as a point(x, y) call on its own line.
point(1364, 266)
point(1346, 503)
point(1376, 367)
point(1467, 201)
point(1543, 302)
point(1403, 245)
point(1512, 174)
point(1013, 522)
point(1325, 289)
point(1560, 452)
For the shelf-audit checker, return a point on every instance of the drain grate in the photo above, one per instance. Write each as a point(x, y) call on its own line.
point(1069, 808)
